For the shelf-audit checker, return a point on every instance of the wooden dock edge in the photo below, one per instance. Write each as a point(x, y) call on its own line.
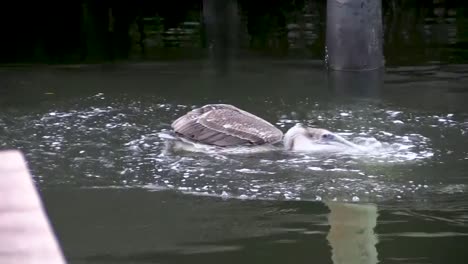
point(26, 236)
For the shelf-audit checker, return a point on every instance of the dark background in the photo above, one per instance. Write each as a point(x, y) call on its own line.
point(103, 31)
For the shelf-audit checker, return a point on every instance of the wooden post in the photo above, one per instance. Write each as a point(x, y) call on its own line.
point(220, 21)
point(354, 35)
point(25, 233)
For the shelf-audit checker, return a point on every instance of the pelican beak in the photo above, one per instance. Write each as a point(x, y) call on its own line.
point(341, 140)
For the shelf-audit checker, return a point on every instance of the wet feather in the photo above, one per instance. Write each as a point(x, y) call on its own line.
point(226, 125)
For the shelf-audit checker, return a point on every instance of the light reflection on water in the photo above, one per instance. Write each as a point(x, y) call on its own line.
point(103, 142)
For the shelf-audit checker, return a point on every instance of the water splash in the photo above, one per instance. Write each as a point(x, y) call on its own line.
point(108, 142)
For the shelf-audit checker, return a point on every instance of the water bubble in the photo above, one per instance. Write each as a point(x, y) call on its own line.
point(243, 197)
point(132, 151)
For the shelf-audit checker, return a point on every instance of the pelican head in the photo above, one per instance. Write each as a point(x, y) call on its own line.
point(302, 138)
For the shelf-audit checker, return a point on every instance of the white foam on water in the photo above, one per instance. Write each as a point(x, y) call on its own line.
point(112, 143)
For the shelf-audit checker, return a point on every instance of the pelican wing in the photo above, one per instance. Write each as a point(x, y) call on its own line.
point(225, 125)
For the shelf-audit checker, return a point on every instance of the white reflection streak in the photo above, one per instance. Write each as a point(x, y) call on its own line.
point(351, 234)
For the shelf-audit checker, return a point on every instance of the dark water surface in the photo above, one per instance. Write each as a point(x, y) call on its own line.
point(91, 137)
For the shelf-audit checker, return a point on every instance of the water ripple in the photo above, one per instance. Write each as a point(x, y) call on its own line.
point(102, 141)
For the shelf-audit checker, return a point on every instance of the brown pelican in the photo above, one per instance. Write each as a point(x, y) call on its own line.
point(226, 127)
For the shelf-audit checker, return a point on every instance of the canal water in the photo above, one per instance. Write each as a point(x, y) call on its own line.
point(92, 137)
